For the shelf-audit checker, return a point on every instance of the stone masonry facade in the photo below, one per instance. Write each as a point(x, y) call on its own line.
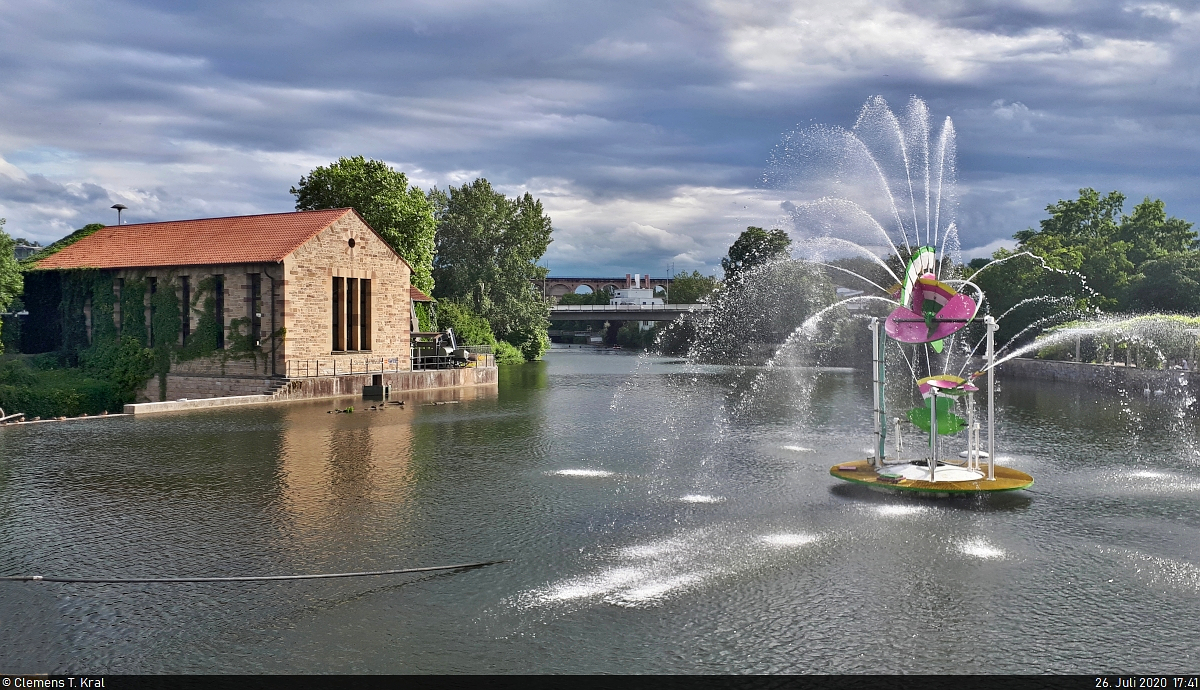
point(308, 298)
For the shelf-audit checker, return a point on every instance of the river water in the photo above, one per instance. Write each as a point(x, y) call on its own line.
point(654, 521)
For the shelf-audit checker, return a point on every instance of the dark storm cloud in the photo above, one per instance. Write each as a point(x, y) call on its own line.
point(644, 127)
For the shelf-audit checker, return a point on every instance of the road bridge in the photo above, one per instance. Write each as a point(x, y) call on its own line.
point(624, 312)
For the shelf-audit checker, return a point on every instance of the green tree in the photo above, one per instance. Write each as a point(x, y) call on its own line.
point(603, 296)
point(755, 247)
point(11, 282)
point(1089, 256)
point(401, 214)
point(488, 248)
point(1171, 284)
point(690, 288)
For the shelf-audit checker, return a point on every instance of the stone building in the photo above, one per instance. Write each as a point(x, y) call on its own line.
point(240, 305)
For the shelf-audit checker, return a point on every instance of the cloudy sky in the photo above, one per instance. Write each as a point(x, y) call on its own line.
point(644, 127)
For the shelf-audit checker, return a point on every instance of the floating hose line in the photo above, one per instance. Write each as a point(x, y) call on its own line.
point(248, 578)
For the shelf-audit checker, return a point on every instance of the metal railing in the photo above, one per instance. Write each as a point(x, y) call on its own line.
point(426, 356)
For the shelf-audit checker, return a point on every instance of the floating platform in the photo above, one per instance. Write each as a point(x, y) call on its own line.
point(957, 480)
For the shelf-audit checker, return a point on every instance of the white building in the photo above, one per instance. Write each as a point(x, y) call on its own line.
point(636, 295)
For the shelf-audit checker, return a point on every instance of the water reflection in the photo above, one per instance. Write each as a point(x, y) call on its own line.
point(644, 513)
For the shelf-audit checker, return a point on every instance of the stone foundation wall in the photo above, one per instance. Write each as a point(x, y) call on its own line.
point(194, 387)
point(1100, 375)
point(198, 387)
point(401, 382)
point(213, 366)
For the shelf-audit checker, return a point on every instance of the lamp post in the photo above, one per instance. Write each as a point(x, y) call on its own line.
point(119, 207)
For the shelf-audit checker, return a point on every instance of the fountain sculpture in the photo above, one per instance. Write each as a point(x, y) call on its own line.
point(887, 193)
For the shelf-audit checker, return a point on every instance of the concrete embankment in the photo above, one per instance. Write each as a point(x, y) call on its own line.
point(1102, 375)
point(283, 390)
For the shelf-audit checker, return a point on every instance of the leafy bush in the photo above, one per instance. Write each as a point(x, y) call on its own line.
point(532, 343)
point(507, 354)
point(54, 392)
point(631, 337)
point(123, 363)
point(469, 327)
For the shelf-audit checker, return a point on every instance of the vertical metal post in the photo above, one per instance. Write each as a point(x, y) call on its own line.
point(899, 440)
point(876, 389)
point(972, 452)
point(933, 433)
point(991, 369)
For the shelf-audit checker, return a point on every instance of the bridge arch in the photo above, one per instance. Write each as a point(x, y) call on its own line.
point(584, 289)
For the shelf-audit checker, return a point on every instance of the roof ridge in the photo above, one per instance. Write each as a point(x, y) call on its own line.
point(224, 240)
point(250, 215)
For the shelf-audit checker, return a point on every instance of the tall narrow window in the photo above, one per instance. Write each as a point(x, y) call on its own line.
point(118, 314)
point(185, 309)
point(339, 335)
point(351, 313)
point(219, 309)
point(364, 314)
point(152, 284)
point(256, 307)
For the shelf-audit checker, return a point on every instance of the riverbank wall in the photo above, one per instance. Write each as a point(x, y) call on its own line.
point(1101, 375)
point(194, 392)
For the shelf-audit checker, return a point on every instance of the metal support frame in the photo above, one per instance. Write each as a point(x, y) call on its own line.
point(990, 323)
point(972, 441)
point(878, 349)
point(933, 433)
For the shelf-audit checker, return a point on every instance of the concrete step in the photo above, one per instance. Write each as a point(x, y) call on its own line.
point(276, 386)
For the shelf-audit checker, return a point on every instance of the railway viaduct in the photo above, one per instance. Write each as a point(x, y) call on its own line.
point(556, 287)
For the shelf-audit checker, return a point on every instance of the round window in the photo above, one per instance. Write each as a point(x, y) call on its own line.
point(351, 243)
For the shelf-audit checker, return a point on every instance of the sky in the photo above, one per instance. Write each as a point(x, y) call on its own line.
point(643, 127)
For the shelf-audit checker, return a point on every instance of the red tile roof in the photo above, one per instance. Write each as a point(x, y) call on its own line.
point(415, 295)
point(234, 240)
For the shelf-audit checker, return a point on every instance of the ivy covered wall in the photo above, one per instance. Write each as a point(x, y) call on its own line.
point(83, 329)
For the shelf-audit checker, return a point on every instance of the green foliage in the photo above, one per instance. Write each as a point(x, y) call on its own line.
point(123, 362)
point(469, 327)
point(755, 247)
point(10, 271)
point(425, 317)
point(54, 392)
point(507, 354)
point(202, 342)
point(1143, 261)
point(488, 247)
point(691, 288)
point(598, 297)
point(401, 214)
point(11, 283)
point(133, 310)
point(165, 324)
point(532, 343)
point(630, 336)
point(1170, 283)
